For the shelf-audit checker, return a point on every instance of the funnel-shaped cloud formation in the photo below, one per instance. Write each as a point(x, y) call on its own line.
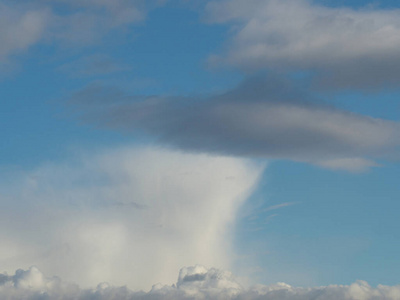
point(260, 118)
point(194, 283)
point(129, 216)
point(346, 47)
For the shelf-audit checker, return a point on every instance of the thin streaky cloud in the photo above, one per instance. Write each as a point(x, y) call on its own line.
point(278, 206)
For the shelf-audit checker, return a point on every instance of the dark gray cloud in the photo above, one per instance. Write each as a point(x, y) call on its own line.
point(203, 284)
point(343, 47)
point(265, 118)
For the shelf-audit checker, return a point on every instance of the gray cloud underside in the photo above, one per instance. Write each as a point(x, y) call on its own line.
point(193, 283)
point(260, 118)
point(350, 48)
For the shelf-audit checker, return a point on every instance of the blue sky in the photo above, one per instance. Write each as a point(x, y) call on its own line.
point(260, 137)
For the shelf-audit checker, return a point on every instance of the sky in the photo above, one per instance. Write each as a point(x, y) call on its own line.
point(223, 149)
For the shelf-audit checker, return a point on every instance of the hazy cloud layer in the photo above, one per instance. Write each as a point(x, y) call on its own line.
point(260, 118)
point(130, 216)
point(346, 47)
point(193, 283)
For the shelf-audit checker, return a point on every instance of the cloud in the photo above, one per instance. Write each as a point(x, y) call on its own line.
point(278, 206)
point(87, 22)
point(129, 216)
point(345, 47)
point(92, 65)
point(260, 118)
point(65, 23)
point(20, 28)
point(354, 165)
point(193, 283)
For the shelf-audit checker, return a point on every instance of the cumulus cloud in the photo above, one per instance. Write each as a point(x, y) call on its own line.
point(130, 216)
point(260, 118)
point(346, 47)
point(193, 283)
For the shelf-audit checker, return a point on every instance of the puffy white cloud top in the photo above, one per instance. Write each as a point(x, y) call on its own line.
point(195, 282)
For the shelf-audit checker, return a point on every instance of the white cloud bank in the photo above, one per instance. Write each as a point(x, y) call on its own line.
point(131, 216)
point(193, 283)
point(346, 47)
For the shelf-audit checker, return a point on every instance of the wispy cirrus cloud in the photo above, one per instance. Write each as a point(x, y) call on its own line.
point(277, 206)
point(260, 118)
point(344, 47)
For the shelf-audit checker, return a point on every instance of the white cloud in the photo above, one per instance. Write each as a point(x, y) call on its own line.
point(129, 216)
point(193, 283)
point(193, 280)
point(346, 47)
